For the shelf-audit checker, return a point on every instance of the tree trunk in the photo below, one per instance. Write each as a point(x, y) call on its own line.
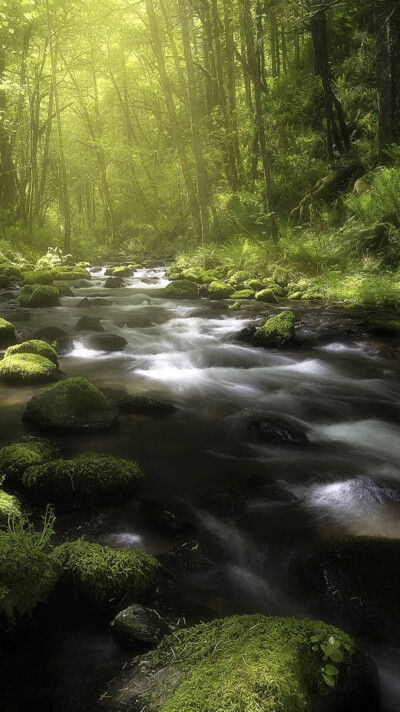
point(387, 23)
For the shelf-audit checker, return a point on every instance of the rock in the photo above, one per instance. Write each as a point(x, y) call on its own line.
point(161, 516)
point(181, 289)
point(37, 295)
point(295, 296)
point(276, 431)
point(38, 277)
point(5, 282)
point(114, 283)
point(245, 335)
point(27, 575)
point(16, 458)
point(27, 368)
point(220, 290)
point(49, 334)
point(122, 272)
point(85, 480)
point(106, 342)
point(359, 581)
point(243, 294)
point(10, 509)
point(225, 501)
point(82, 284)
point(95, 270)
point(104, 575)
point(249, 662)
point(89, 323)
point(236, 306)
point(64, 290)
point(34, 346)
point(385, 328)
point(73, 404)
point(267, 295)
point(195, 274)
point(278, 331)
point(239, 277)
point(312, 297)
point(21, 315)
point(7, 334)
point(69, 273)
point(142, 405)
point(194, 556)
point(96, 302)
point(256, 285)
point(138, 626)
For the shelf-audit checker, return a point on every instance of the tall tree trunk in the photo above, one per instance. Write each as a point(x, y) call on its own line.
point(387, 23)
point(65, 199)
point(259, 118)
point(7, 168)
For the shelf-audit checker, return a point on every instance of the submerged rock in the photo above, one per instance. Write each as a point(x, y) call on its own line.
point(278, 331)
point(114, 283)
point(73, 404)
point(249, 662)
point(276, 431)
point(106, 342)
point(138, 626)
point(142, 405)
point(95, 302)
point(89, 323)
point(7, 334)
point(49, 334)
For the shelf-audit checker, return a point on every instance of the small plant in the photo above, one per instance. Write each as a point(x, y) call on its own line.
point(332, 652)
point(23, 534)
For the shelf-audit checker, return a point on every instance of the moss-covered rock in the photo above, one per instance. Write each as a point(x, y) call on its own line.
point(38, 277)
point(88, 479)
point(5, 282)
point(82, 265)
point(173, 272)
point(101, 574)
point(267, 296)
point(9, 507)
point(64, 290)
point(243, 294)
point(389, 328)
point(312, 297)
point(239, 277)
point(10, 270)
point(220, 290)
point(34, 346)
point(195, 274)
point(122, 272)
point(27, 368)
point(138, 626)
point(295, 296)
point(65, 273)
point(73, 404)
point(16, 458)
point(114, 283)
point(27, 576)
point(39, 295)
point(247, 664)
point(26, 267)
point(181, 289)
point(281, 276)
point(236, 305)
point(277, 331)
point(7, 334)
point(256, 285)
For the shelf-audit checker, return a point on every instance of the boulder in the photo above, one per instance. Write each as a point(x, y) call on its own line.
point(114, 283)
point(69, 273)
point(267, 295)
point(106, 342)
point(73, 404)
point(89, 323)
point(5, 281)
point(181, 289)
point(278, 331)
point(16, 458)
point(142, 405)
point(275, 431)
point(64, 290)
point(138, 626)
point(220, 290)
point(96, 302)
point(38, 295)
point(104, 575)
point(122, 272)
point(7, 334)
point(34, 346)
point(243, 294)
point(49, 334)
point(25, 368)
point(250, 662)
point(38, 277)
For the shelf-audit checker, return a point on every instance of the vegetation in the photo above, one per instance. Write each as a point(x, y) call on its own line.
point(34, 346)
point(16, 458)
point(9, 508)
point(23, 368)
point(277, 331)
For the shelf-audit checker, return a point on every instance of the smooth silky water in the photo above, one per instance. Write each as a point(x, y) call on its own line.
point(202, 465)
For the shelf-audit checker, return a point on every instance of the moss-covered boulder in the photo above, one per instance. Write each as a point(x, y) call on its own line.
point(236, 305)
point(5, 282)
point(256, 285)
point(295, 296)
point(39, 295)
point(73, 404)
point(267, 295)
point(250, 663)
point(195, 274)
point(27, 368)
point(102, 574)
point(16, 458)
point(277, 331)
point(38, 277)
point(64, 290)
point(220, 290)
point(9, 508)
point(122, 272)
point(181, 289)
point(26, 267)
point(27, 576)
point(88, 479)
point(9, 270)
point(243, 294)
point(138, 626)
point(114, 283)
point(239, 277)
point(312, 297)
point(173, 272)
point(7, 334)
point(34, 346)
point(65, 273)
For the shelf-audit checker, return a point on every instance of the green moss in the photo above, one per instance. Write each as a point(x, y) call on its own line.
point(9, 270)
point(255, 284)
point(38, 295)
point(122, 272)
point(266, 295)
point(236, 305)
point(16, 458)
point(247, 664)
point(100, 573)
point(7, 333)
point(195, 274)
point(243, 294)
point(295, 296)
point(278, 331)
point(9, 507)
point(181, 289)
point(220, 290)
point(27, 267)
point(27, 576)
point(389, 327)
point(27, 368)
point(82, 265)
point(38, 277)
point(69, 405)
point(239, 277)
point(281, 276)
point(34, 346)
point(173, 272)
point(64, 274)
point(87, 479)
point(312, 297)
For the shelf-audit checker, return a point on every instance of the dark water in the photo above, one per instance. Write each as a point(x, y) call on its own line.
point(246, 511)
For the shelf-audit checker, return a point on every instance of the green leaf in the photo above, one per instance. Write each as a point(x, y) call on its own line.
point(315, 638)
point(337, 656)
point(315, 647)
point(329, 680)
point(331, 670)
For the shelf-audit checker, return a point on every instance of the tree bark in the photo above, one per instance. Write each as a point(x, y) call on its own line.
point(387, 23)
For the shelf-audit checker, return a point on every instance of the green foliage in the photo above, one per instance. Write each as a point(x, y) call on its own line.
point(9, 508)
point(278, 331)
point(87, 479)
point(333, 650)
point(100, 573)
point(15, 459)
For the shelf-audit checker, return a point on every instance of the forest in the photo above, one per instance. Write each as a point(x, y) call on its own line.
point(199, 355)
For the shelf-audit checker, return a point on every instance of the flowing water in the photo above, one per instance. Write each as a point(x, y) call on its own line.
point(244, 511)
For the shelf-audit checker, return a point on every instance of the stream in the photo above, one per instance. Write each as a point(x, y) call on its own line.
point(230, 512)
